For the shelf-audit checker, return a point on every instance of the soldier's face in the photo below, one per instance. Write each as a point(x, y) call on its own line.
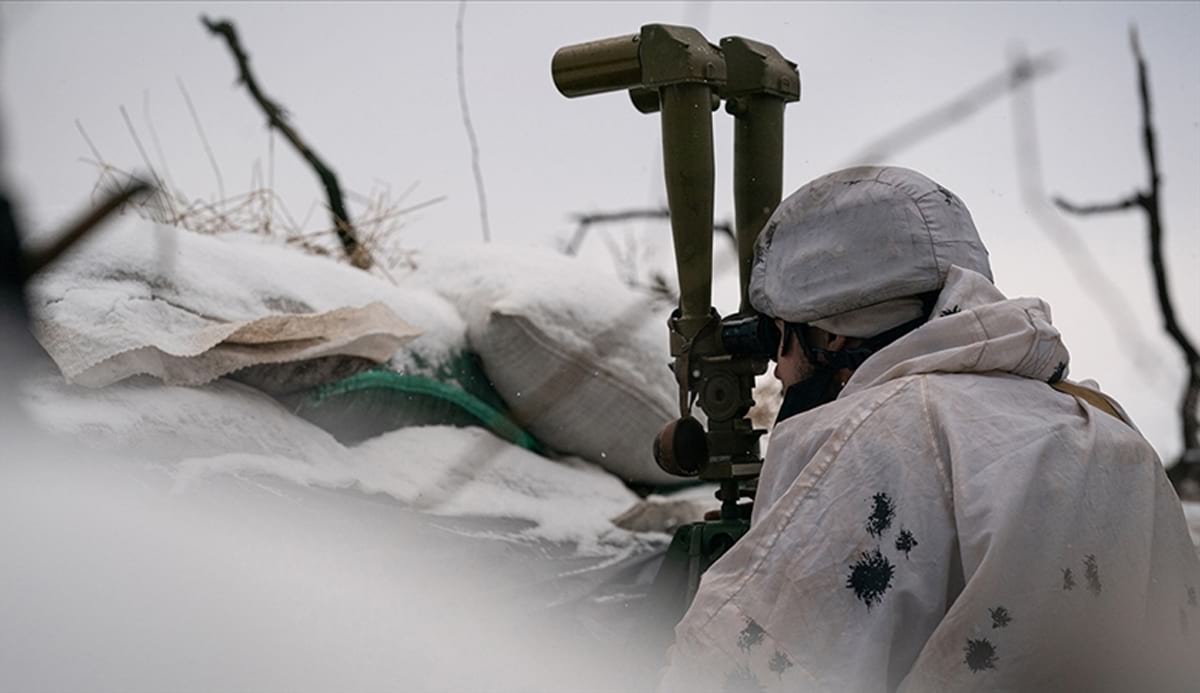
point(791, 363)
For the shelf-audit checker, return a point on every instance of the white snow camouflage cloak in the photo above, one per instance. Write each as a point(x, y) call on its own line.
point(951, 523)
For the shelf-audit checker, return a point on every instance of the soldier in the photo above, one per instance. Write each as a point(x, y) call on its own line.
point(939, 508)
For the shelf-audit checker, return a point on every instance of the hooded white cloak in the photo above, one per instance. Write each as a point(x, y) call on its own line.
point(953, 523)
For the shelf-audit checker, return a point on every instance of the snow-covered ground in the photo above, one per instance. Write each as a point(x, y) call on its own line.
point(117, 578)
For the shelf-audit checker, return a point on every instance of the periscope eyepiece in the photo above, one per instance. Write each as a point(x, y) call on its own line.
point(755, 336)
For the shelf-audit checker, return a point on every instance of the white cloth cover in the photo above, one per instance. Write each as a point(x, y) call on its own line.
point(859, 237)
point(873, 320)
point(952, 523)
point(188, 308)
point(181, 347)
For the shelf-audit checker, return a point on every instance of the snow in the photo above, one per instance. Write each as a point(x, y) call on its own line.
point(150, 421)
point(205, 538)
point(228, 429)
point(135, 270)
point(565, 298)
point(459, 472)
point(114, 580)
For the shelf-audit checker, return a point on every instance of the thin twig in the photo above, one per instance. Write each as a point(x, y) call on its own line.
point(158, 182)
point(269, 201)
point(480, 191)
point(158, 148)
point(584, 222)
point(1101, 208)
point(623, 215)
point(105, 170)
point(276, 118)
point(212, 159)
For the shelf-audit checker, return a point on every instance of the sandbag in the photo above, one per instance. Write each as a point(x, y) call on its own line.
point(228, 429)
point(187, 308)
point(182, 347)
point(580, 359)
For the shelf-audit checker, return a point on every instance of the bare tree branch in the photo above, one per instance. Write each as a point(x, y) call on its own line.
point(584, 222)
point(623, 215)
point(1076, 255)
point(1101, 208)
point(276, 117)
point(959, 108)
point(1187, 469)
point(37, 260)
point(1151, 203)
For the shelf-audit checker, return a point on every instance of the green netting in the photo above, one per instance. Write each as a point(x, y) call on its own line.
point(464, 369)
point(374, 402)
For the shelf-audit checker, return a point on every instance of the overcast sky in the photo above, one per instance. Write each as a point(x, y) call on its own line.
point(373, 87)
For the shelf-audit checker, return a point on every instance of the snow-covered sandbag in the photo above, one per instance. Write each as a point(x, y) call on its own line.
point(228, 429)
point(142, 418)
point(580, 359)
point(188, 308)
point(182, 347)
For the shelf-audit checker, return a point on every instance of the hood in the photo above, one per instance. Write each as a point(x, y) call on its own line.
point(973, 329)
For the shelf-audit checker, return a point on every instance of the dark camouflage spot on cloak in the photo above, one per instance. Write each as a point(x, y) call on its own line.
point(950, 311)
point(1000, 617)
point(1068, 580)
point(882, 514)
point(1059, 371)
point(742, 680)
point(906, 542)
point(750, 636)
point(1191, 592)
point(1091, 572)
point(871, 577)
point(780, 663)
point(979, 654)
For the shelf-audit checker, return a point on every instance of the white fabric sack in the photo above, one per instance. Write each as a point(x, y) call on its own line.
point(580, 359)
point(951, 522)
point(189, 308)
